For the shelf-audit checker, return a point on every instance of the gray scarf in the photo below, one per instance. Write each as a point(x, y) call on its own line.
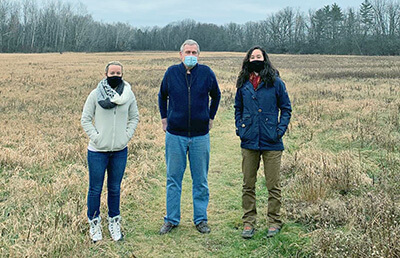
point(107, 97)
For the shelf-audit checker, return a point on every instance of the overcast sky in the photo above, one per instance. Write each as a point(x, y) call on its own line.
point(142, 13)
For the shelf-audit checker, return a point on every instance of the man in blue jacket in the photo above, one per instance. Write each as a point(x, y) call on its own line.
point(187, 116)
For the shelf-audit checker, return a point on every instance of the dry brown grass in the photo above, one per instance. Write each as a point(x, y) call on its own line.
point(340, 169)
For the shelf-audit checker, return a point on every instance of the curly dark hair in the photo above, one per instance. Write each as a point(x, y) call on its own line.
point(268, 74)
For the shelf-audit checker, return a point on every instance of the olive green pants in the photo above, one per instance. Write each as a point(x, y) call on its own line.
point(250, 164)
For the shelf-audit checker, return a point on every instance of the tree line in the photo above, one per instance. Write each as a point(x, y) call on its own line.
point(373, 28)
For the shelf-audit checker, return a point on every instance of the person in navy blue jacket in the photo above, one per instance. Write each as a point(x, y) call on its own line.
point(262, 115)
point(187, 115)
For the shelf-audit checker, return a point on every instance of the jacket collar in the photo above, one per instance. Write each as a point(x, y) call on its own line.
point(250, 87)
point(182, 67)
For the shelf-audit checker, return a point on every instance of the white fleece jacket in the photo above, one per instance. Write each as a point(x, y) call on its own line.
point(112, 128)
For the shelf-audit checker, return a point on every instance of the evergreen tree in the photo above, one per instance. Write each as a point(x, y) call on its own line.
point(367, 17)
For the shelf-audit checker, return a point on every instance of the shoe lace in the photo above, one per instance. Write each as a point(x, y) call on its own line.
point(203, 226)
point(95, 227)
point(115, 227)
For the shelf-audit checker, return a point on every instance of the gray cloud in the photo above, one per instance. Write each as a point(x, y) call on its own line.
point(141, 13)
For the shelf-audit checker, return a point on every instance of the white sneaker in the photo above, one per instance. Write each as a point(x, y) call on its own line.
point(114, 227)
point(95, 229)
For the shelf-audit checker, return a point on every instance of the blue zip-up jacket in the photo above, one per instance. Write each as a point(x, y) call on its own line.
point(184, 99)
point(262, 116)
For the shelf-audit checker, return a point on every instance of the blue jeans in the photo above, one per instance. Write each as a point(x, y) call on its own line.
point(98, 162)
point(177, 148)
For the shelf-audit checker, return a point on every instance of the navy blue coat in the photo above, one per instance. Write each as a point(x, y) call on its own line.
point(262, 116)
point(184, 99)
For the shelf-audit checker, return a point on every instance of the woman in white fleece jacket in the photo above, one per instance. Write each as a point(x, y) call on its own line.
point(112, 106)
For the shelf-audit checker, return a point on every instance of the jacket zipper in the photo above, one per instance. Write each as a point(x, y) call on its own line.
point(113, 136)
point(189, 101)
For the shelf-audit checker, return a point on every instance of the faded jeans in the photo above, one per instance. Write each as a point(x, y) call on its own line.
point(177, 149)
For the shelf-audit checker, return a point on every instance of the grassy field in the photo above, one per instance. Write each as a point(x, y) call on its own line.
point(340, 171)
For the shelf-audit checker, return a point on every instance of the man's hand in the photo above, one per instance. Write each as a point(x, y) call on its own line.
point(164, 124)
point(210, 124)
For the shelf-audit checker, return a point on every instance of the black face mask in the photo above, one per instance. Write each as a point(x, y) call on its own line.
point(114, 81)
point(256, 66)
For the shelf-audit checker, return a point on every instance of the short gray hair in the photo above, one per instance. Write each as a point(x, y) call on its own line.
point(190, 42)
point(114, 63)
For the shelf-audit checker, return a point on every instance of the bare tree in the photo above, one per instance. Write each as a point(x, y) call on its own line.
point(380, 16)
point(57, 25)
point(4, 16)
point(393, 9)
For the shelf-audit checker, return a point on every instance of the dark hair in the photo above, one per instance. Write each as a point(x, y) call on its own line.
point(268, 74)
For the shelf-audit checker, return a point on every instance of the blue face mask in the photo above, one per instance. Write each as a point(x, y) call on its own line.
point(190, 61)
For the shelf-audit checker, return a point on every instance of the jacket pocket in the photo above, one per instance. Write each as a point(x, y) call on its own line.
point(121, 141)
point(269, 127)
point(98, 141)
point(244, 127)
point(95, 138)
